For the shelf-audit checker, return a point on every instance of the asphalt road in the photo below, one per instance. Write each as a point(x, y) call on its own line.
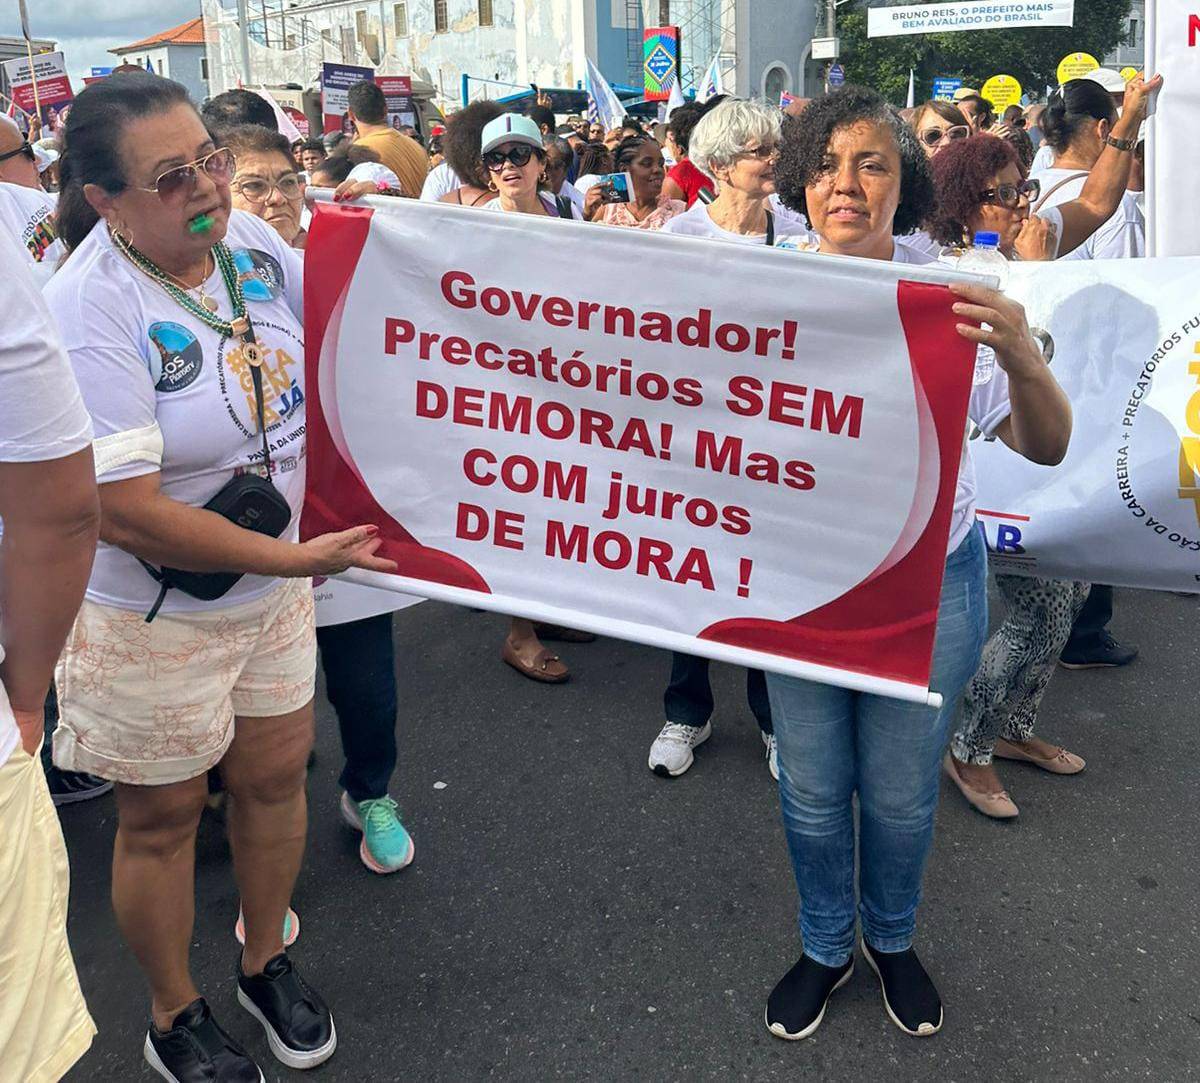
point(571, 916)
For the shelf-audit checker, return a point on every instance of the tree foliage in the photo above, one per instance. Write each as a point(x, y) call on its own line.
point(1031, 55)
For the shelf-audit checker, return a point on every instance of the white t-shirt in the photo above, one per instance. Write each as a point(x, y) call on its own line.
point(548, 201)
point(697, 222)
point(1043, 160)
point(1123, 236)
point(374, 173)
point(987, 408)
point(28, 216)
point(785, 213)
point(588, 180)
point(442, 180)
point(921, 242)
point(145, 365)
point(42, 416)
point(569, 191)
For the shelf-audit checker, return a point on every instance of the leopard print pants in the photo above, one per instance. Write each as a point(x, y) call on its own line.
point(1003, 697)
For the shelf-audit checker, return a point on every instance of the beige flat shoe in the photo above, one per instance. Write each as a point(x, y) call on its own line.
point(999, 806)
point(1064, 763)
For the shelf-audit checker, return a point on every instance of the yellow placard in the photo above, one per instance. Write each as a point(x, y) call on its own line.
point(1002, 91)
point(1076, 66)
point(1129, 73)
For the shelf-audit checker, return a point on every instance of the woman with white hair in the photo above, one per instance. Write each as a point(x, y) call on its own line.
point(737, 144)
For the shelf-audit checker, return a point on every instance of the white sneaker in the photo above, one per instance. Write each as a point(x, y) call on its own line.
point(772, 754)
point(671, 753)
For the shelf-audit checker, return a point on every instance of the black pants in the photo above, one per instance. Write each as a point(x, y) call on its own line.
point(689, 699)
point(1093, 619)
point(359, 661)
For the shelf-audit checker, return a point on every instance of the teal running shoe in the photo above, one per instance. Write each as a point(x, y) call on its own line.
point(386, 846)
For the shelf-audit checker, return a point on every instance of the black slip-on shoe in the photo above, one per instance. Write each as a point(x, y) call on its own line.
point(909, 996)
point(298, 1025)
point(797, 1004)
point(197, 1050)
point(1105, 653)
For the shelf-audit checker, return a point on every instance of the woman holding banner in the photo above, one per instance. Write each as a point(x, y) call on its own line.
point(860, 176)
point(182, 320)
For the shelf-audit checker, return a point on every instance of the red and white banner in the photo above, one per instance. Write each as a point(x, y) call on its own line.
point(54, 92)
point(747, 454)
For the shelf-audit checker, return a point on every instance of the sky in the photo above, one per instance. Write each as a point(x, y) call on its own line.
point(86, 38)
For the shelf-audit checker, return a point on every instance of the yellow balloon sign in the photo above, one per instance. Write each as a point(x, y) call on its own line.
point(1002, 91)
point(1129, 73)
point(1076, 66)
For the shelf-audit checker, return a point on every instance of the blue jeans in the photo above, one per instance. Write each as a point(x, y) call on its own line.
point(834, 743)
point(360, 680)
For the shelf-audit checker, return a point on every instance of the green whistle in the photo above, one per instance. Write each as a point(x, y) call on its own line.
point(202, 223)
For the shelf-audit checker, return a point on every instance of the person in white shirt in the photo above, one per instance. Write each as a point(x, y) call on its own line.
point(183, 323)
point(861, 178)
point(51, 517)
point(461, 178)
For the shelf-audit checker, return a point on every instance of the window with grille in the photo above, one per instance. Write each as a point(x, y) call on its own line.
point(1132, 40)
point(400, 20)
point(485, 12)
point(441, 18)
point(360, 24)
point(204, 68)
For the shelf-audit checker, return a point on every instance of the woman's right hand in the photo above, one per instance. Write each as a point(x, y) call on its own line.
point(1038, 239)
point(330, 554)
point(1137, 101)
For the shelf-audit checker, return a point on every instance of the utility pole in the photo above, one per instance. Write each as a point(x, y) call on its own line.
point(244, 32)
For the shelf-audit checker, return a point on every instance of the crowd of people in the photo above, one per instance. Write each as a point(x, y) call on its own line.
point(151, 356)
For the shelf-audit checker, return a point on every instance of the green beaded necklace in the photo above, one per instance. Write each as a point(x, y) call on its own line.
point(238, 327)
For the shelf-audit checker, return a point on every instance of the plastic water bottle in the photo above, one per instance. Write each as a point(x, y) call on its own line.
point(985, 258)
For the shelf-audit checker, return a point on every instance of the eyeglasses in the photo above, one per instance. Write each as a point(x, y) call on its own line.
point(24, 148)
point(176, 185)
point(764, 153)
point(934, 137)
point(518, 155)
point(256, 190)
point(1009, 195)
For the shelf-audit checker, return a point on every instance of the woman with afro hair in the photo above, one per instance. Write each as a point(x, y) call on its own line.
point(859, 174)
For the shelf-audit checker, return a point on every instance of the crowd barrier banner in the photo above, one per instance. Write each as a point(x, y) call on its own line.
point(745, 454)
point(885, 22)
point(1124, 506)
point(1172, 151)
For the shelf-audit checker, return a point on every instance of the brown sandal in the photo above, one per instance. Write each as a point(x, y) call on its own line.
point(545, 666)
point(562, 634)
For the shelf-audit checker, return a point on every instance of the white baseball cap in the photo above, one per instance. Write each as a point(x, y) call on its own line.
point(1107, 78)
point(510, 128)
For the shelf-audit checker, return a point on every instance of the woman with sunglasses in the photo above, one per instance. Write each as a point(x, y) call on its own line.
point(860, 176)
point(267, 183)
point(938, 124)
point(737, 145)
point(642, 158)
point(182, 320)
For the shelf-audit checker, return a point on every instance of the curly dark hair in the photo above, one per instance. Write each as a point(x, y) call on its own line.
point(960, 173)
point(595, 158)
point(806, 140)
point(460, 145)
point(682, 121)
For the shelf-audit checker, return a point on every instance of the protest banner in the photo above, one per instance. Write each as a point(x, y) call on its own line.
point(1076, 66)
point(1124, 506)
point(336, 81)
point(339, 601)
point(943, 89)
point(755, 464)
point(970, 15)
point(397, 89)
point(1172, 153)
point(53, 86)
point(1002, 91)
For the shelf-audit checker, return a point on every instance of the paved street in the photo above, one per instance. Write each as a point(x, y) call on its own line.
point(571, 916)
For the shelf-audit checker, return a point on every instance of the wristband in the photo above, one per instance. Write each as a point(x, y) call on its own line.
point(1121, 144)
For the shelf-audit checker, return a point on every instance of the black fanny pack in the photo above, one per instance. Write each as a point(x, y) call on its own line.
point(250, 501)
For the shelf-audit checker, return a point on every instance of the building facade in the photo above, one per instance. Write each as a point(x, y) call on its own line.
point(1131, 53)
point(177, 54)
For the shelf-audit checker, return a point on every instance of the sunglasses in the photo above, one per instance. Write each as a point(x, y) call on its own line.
point(255, 190)
point(764, 153)
point(518, 155)
point(1009, 195)
point(176, 185)
point(24, 148)
point(933, 137)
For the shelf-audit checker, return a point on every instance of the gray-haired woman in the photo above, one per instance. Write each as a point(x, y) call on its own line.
point(737, 144)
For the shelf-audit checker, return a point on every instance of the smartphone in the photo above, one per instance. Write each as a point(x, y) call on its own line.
point(615, 187)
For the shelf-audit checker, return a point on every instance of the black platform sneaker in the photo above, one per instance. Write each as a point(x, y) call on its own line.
point(197, 1050)
point(299, 1026)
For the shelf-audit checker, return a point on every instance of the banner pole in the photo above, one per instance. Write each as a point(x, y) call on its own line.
point(37, 105)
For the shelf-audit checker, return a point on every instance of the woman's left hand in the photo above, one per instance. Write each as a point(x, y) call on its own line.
point(1017, 351)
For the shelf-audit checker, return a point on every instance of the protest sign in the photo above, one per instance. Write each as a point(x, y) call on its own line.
point(969, 15)
point(1076, 66)
point(53, 86)
point(1172, 152)
point(1002, 91)
point(336, 81)
point(755, 464)
point(943, 89)
point(660, 61)
point(397, 89)
point(1124, 506)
